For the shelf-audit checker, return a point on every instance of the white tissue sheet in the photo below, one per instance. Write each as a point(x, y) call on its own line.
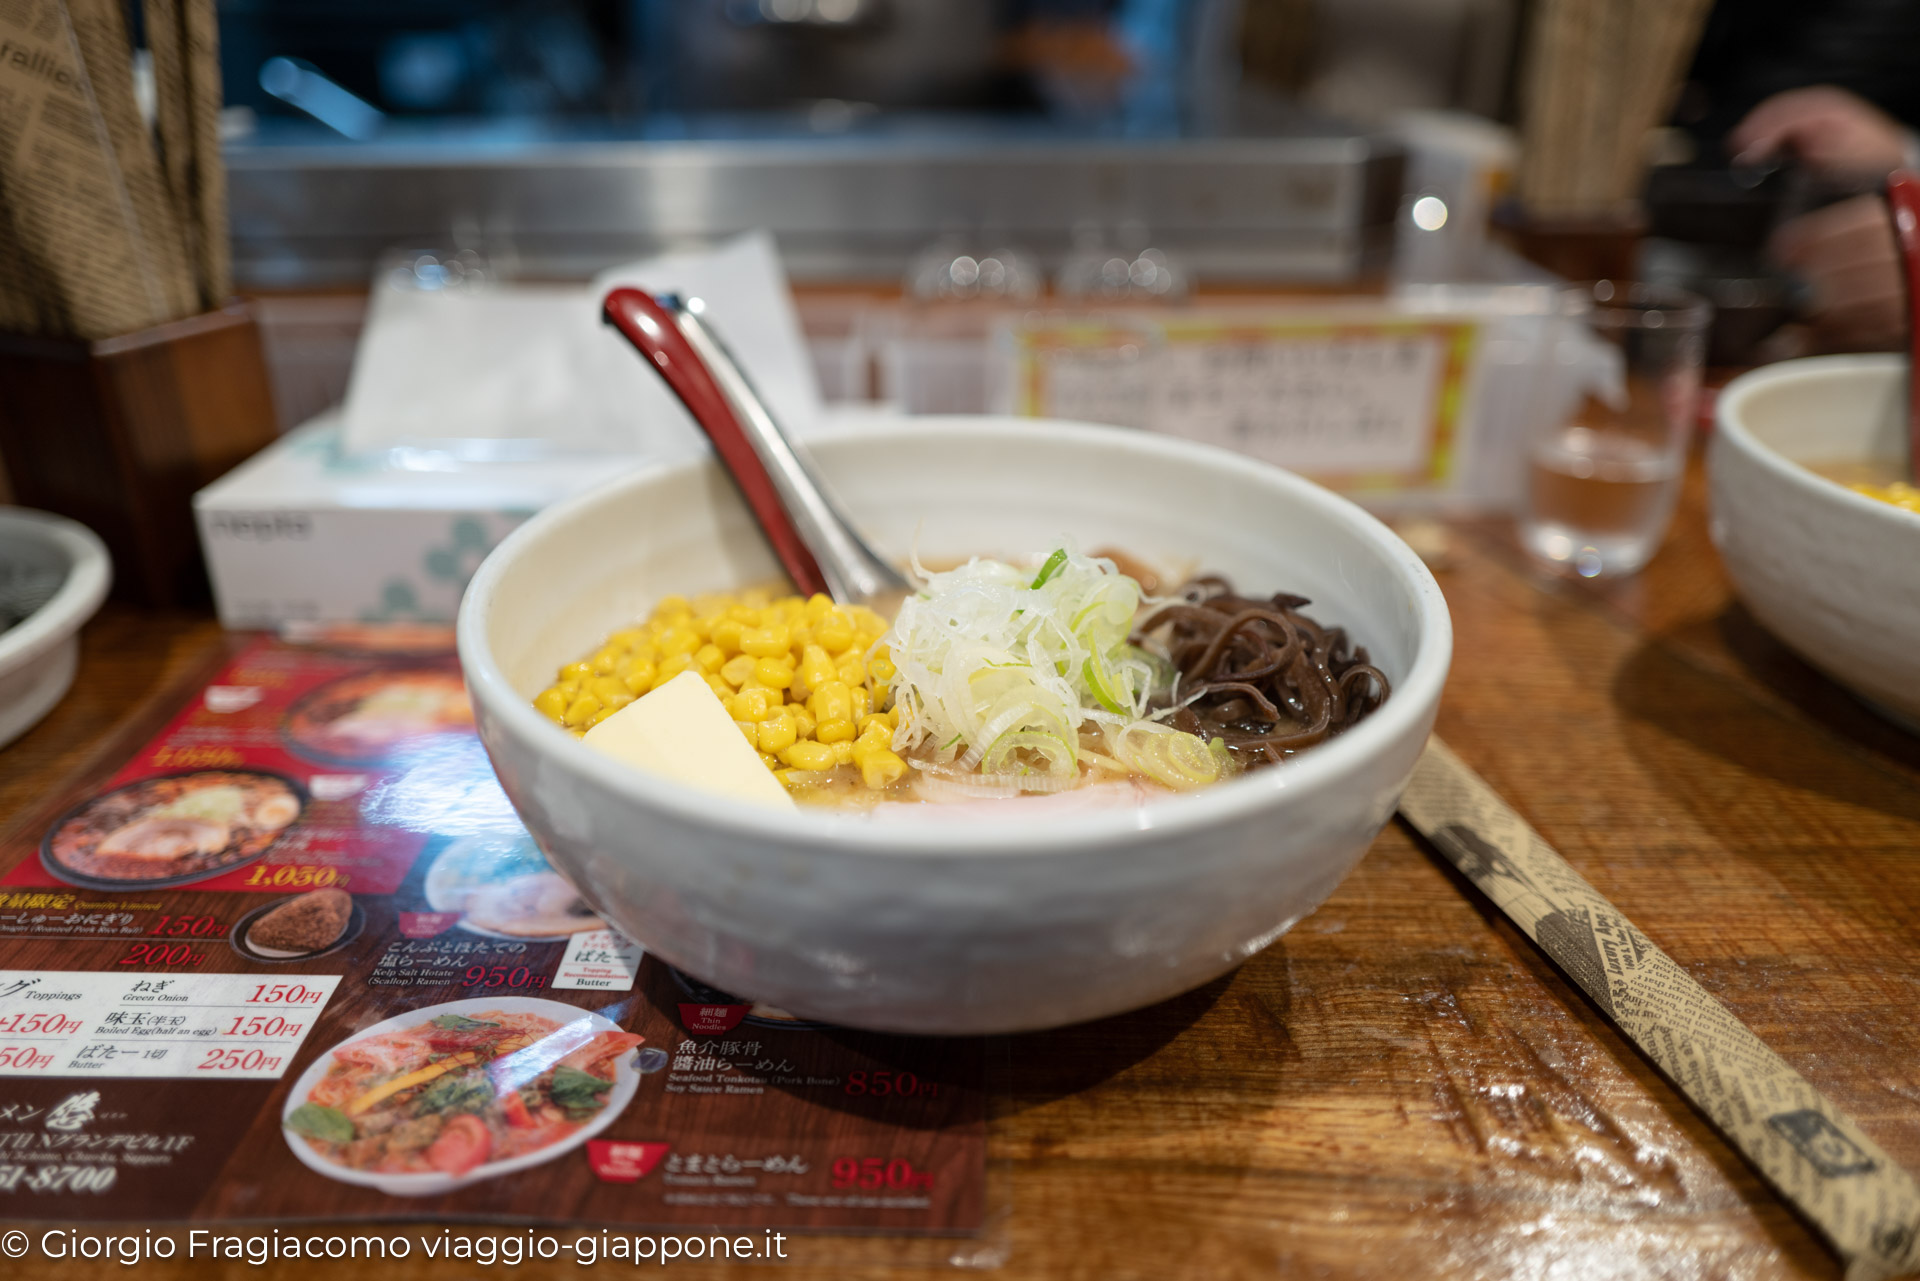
point(512, 372)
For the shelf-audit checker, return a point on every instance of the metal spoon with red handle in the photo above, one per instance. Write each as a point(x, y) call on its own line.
point(1903, 197)
point(811, 535)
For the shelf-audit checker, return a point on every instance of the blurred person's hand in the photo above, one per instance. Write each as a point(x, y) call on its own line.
point(1829, 130)
point(1846, 255)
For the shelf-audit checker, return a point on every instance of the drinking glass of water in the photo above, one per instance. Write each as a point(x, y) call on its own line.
point(1604, 469)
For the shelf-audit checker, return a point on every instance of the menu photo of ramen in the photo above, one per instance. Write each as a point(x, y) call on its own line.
point(437, 1098)
point(364, 718)
point(172, 829)
point(503, 887)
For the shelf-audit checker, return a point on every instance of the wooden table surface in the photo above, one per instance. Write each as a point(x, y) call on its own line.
point(1402, 1086)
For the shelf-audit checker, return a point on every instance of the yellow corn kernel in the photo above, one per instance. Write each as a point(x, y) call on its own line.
point(749, 705)
point(802, 720)
point(777, 733)
point(816, 669)
point(552, 704)
point(773, 673)
point(721, 690)
point(744, 614)
point(582, 710)
point(874, 723)
point(833, 729)
point(881, 769)
point(570, 688)
point(639, 678)
point(843, 752)
point(576, 671)
point(880, 667)
point(809, 756)
point(679, 640)
point(771, 762)
point(738, 668)
point(819, 605)
point(708, 658)
point(673, 605)
point(862, 701)
point(831, 701)
point(765, 642)
point(835, 635)
point(627, 637)
point(852, 670)
point(726, 634)
point(864, 618)
point(752, 732)
point(611, 691)
point(601, 715)
point(775, 697)
point(606, 660)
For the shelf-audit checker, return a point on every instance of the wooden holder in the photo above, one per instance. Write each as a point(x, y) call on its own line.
point(1575, 249)
point(120, 432)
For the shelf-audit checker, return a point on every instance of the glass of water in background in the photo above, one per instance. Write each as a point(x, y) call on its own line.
point(1604, 468)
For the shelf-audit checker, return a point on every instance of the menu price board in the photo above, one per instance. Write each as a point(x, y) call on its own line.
point(297, 960)
point(1363, 400)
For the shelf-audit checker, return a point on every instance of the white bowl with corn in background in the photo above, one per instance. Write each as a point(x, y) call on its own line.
point(943, 925)
point(1832, 573)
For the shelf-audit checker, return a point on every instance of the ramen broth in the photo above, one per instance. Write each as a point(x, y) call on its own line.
point(1062, 684)
point(1882, 479)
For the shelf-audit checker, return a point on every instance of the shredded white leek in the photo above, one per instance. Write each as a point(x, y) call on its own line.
point(999, 669)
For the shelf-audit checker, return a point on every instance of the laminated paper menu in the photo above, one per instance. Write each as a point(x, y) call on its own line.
point(297, 960)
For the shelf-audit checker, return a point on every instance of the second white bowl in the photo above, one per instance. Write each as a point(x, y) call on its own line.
point(1834, 574)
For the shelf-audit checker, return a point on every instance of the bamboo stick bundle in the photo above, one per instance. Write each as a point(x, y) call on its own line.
point(1599, 76)
point(107, 226)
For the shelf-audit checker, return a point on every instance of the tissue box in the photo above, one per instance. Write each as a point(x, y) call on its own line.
point(300, 534)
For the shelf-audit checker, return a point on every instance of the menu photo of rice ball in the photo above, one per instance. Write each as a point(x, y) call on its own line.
point(299, 927)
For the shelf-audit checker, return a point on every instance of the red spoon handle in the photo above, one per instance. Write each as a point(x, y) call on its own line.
point(652, 331)
point(1903, 196)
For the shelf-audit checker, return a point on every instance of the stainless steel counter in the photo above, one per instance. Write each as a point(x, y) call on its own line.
point(1314, 207)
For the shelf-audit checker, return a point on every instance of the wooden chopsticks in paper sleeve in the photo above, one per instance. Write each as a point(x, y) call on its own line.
point(1866, 1206)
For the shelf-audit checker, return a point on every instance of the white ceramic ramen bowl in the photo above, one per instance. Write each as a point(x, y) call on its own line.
point(1834, 574)
point(942, 925)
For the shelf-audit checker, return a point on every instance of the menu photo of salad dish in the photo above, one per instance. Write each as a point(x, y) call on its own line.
point(172, 829)
point(365, 717)
point(438, 1098)
point(503, 887)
